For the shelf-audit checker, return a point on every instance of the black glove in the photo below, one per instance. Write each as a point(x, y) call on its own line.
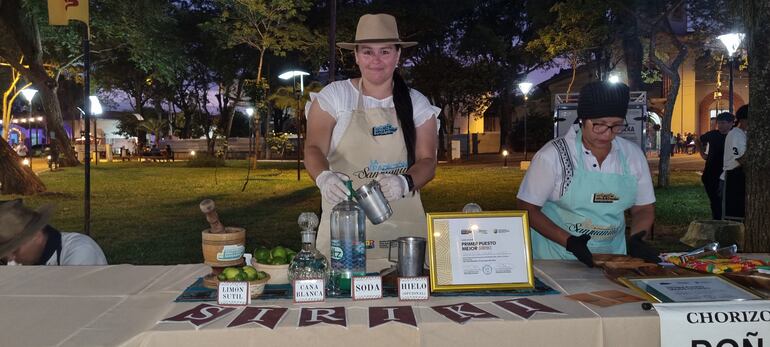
point(578, 245)
point(637, 248)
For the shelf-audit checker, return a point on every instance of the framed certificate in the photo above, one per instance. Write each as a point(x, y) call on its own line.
point(479, 251)
point(689, 289)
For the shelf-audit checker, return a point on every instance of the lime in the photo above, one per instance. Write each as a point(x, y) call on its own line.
point(261, 275)
point(222, 277)
point(278, 252)
point(278, 261)
point(239, 277)
point(231, 272)
point(251, 273)
point(261, 253)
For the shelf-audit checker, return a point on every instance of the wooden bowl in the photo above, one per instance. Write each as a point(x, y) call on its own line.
point(279, 274)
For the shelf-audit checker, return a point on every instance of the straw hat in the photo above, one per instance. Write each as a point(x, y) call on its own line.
point(376, 28)
point(20, 224)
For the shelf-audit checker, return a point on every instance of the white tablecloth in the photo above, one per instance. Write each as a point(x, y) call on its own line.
point(122, 304)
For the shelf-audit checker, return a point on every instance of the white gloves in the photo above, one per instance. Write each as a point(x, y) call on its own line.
point(332, 185)
point(394, 187)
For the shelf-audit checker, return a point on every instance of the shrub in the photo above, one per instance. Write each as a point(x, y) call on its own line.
point(206, 160)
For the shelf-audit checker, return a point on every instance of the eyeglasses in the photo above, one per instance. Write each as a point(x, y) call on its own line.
point(599, 128)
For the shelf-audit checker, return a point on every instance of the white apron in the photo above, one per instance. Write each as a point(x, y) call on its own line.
point(371, 145)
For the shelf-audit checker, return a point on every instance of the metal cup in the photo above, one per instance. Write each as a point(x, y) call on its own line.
point(411, 256)
point(375, 206)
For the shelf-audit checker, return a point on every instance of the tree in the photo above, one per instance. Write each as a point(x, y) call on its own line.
point(273, 26)
point(660, 27)
point(9, 96)
point(20, 37)
point(755, 14)
point(156, 127)
point(580, 27)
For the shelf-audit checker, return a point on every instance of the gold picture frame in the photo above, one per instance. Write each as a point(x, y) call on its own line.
point(479, 251)
point(703, 288)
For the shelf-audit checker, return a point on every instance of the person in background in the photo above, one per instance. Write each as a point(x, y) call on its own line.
point(733, 178)
point(21, 150)
point(27, 239)
point(711, 147)
point(579, 186)
point(373, 127)
point(169, 153)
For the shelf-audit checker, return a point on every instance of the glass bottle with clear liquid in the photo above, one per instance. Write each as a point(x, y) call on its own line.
point(309, 263)
point(348, 244)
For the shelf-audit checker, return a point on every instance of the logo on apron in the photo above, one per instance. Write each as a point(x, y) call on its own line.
point(382, 130)
point(375, 168)
point(605, 198)
point(597, 232)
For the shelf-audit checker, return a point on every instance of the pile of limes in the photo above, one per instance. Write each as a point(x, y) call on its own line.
point(245, 273)
point(278, 255)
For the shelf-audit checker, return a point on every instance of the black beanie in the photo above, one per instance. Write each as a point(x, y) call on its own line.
point(603, 99)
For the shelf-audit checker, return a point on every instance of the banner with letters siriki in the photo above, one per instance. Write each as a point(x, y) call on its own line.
point(715, 324)
point(270, 316)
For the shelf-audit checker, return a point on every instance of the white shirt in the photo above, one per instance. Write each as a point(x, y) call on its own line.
point(340, 98)
point(735, 147)
point(547, 179)
point(78, 249)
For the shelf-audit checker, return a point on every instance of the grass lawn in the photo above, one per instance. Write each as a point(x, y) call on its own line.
point(147, 213)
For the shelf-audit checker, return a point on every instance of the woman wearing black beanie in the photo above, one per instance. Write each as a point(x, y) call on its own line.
point(579, 186)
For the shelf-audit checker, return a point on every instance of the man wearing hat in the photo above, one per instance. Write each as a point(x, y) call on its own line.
point(26, 239)
point(711, 146)
point(733, 178)
point(373, 128)
point(578, 187)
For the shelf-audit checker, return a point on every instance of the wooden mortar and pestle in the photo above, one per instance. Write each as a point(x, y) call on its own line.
point(222, 246)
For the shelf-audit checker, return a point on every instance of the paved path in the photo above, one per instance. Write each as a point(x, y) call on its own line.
point(679, 162)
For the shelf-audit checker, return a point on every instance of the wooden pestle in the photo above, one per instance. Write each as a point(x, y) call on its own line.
point(210, 210)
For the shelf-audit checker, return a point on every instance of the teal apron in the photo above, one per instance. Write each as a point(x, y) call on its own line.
point(593, 204)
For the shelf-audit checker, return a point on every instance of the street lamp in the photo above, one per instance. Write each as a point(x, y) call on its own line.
point(525, 87)
point(96, 110)
point(505, 158)
point(29, 93)
point(293, 75)
point(731, 41)
point(613, 79)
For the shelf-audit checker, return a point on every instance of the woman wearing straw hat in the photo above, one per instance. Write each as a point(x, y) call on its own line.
point(373, 127)
point(27, 239)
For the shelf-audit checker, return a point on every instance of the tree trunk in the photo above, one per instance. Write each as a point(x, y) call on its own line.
point(672, 71)
point(332, 39)
point(55, 121)
point(573, 63)
point(758, 146)
point(18, 24)
point(633, 53)
point(665, 138)
point(16, 178)
point(258, 117)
